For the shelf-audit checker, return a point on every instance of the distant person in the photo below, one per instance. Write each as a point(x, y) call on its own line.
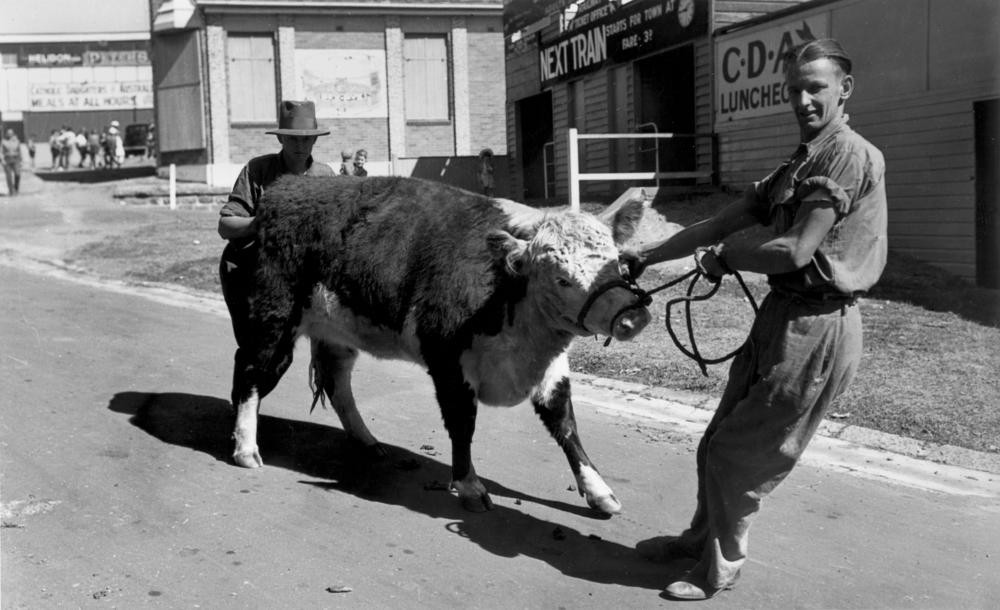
point(95, 150)
point(346, 163)
point(297, 132)
point(81, 145)
point(360, 158)
point(54, 148)
point(67, 141)
point(31, 150)
point(826, 206)
point(114, 147)
point(10, 155)
point(151, 141)
point(486, 171)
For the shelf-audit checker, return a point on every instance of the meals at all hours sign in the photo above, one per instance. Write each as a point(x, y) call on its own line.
point(749, 70)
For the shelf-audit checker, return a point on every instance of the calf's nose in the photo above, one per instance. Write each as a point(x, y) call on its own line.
point(630, 323)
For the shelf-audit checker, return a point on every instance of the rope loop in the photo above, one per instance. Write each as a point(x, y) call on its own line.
point(695, 276)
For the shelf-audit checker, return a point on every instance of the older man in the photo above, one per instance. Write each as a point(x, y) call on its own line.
point(297, 132)
point(827, 207)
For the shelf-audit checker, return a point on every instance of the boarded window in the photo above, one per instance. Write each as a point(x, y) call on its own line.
point(179, 104)
point(425, 61)
point(252, 90)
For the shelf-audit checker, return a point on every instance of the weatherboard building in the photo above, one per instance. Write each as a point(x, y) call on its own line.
point(709, 74)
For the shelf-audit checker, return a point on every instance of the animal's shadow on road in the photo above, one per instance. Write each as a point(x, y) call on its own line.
point(415, 481)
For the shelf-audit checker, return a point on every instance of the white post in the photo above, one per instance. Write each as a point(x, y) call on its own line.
point(574, 171)
point(173, 186)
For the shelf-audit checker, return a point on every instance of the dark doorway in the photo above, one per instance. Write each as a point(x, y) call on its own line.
point(987, 126)
point(666, 105)
point(534, 115)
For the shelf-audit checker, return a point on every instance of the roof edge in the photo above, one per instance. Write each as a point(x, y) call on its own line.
point(791, 10)
point(355, 5)
point(73, 37)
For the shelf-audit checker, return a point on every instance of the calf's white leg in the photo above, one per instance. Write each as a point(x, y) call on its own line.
point(246, 453)
point(552, 401)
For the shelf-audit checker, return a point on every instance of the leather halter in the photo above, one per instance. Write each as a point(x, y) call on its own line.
point(643, 299)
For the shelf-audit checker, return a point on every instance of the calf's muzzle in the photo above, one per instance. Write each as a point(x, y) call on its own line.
point(630, 319)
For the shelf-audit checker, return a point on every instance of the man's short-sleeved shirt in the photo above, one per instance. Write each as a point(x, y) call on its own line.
point(840, 167)
point(255, 176)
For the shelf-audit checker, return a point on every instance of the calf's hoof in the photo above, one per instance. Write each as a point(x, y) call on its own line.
point(375, 452)
point(474, 497)
point(609, 505)
point(248, 459)
point(599, 496)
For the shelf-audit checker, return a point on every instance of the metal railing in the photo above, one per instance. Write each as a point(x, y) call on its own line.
point(576, 177)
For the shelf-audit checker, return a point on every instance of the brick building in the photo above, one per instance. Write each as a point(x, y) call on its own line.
point(419, 85)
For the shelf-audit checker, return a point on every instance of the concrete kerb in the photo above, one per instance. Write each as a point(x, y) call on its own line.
point(156, 191)
point(698, 408)
point(687, 411)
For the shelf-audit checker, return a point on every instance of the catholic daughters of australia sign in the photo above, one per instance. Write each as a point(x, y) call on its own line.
point(611, 33)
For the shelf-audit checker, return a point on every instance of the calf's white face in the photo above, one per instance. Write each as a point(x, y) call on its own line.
point(570, 257)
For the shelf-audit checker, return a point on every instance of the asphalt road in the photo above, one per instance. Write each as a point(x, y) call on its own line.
point(117, 490)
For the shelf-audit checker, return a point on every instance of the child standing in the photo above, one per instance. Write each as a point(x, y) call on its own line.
point(486, 171)
point(346, 157)
point(359, 162)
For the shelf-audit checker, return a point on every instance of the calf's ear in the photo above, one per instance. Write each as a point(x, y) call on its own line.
point(624, 218)
point(511, 250)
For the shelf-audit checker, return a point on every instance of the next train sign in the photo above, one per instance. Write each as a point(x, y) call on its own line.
point(749, 71)
point(613, 33)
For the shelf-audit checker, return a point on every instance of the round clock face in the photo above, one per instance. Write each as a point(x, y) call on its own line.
point(685, 12)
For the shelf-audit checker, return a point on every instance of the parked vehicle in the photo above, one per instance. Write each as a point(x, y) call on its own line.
point(135, 139)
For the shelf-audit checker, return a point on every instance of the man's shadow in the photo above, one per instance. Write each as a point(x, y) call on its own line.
point(329, 460)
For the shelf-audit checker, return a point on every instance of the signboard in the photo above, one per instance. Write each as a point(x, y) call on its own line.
point(343, 83)
point(86, 57)
point(618, 34)
point(43, 97)
point(519, 14)
point(749, 70)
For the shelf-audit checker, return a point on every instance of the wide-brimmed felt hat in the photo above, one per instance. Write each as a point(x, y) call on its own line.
point(297, 119)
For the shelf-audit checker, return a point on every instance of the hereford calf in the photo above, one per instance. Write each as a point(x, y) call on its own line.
point(485, 294)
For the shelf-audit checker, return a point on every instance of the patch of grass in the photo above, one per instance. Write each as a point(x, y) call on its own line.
point(179, 247)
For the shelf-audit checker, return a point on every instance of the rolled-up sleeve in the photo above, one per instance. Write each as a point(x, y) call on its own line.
point(822, 188)
point(240, 202)
point(841, 180)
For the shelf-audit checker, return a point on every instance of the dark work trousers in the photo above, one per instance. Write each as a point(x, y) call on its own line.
point(801, 355)
point(236, 274)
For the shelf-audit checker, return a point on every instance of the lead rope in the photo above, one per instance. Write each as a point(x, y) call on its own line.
point(694, 353)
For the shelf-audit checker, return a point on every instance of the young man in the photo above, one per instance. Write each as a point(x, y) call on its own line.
point(827, 207)
point(297, 132)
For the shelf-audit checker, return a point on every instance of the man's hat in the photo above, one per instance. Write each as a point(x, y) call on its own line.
point(297, 119)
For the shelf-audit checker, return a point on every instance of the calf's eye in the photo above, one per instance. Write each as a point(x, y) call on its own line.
point(563, 282)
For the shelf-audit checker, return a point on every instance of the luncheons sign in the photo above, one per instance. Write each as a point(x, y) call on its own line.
point(612, 33)
point(749, 69)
